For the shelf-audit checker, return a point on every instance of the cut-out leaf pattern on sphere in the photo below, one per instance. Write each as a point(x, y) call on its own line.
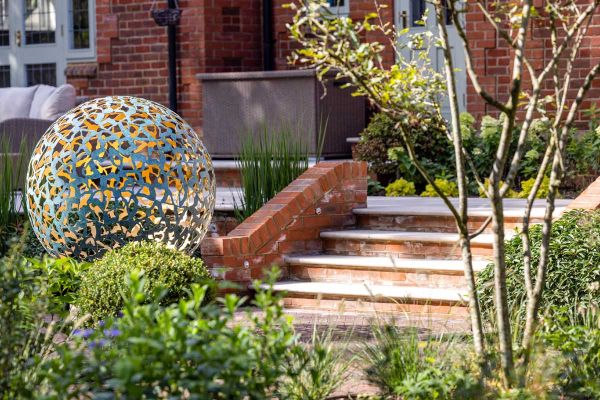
point(115, 170)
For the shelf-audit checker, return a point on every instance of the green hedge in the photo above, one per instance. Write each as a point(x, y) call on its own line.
point(573, 269)
point(102, 287)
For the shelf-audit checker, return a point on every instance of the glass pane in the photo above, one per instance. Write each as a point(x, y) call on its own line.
point(4, 76)
point(417, 10)
point(4, 35)
point(448, 15)
point(337, 3)
point(40, 21)
point(80, 24)
point(41, 74)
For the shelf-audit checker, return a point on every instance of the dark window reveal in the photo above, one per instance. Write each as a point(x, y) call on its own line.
point(41, 74)
point(80, 24)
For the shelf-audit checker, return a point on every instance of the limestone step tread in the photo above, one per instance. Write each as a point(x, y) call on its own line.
point(426, 206)
point(382, 262)
point(364, 290)
point(404, 236)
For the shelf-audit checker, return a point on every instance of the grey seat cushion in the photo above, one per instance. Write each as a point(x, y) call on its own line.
point(61, 100)
point(41, 95)
point(16, 102)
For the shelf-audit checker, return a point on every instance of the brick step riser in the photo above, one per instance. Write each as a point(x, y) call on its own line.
point(339, 304)
point(228, 178)
point(402, 249)
point(425, 223)
point(325, 273)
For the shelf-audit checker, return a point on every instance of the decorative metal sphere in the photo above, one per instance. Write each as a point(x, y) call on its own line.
point(119, 169)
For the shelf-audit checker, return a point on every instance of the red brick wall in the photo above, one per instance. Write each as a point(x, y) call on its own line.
point(492, 60)
point(132, 50)
point(589, 199)
point(491, 55)
point(323, 197)
point(225, 35)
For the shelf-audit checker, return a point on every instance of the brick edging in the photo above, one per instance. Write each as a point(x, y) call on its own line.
point(589, 199)
point(322, 197)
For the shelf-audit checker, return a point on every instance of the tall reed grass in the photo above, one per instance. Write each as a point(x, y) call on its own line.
point(12, 204)
point(268, 162)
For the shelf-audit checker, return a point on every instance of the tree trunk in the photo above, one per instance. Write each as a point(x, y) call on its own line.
point(462, 225)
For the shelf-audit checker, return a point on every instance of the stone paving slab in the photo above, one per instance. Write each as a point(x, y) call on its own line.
point(412, 205)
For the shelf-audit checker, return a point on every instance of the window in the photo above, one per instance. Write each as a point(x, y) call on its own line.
point(40, 22)
point(38, 74)
point(4, 41)
point(4, 76)
point(82, 23)
point(417, 11)
point(340, 7)
point(80, 26)
point(448, 15)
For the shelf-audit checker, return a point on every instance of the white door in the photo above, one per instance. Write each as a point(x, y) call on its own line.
point(408, 14)
point(32, 42)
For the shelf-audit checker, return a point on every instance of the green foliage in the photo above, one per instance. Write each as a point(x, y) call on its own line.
point(32, 248)
point(527, 187)
point(11, 173)
point(28, 335)
point(382, 146)
point(374, 188)
point(63, 277)
point(268, 163)
point(379, 136)
point(583, 151)
point(400, 363)
point(511, 194)
point(317, 370)
point(185, 350)
point(400, 187)
point(576, 336)
point(447, 187)
point(573, 267)
point(168, 273)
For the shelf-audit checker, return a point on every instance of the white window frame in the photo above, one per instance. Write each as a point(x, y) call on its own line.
point(88, 54)
point(342, 11)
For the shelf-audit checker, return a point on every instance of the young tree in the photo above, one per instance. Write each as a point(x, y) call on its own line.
point(411, 90)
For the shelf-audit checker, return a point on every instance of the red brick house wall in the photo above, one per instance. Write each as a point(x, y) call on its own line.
point(492, 58)
point(226, 35)
point(358, 9)
point(213, 36)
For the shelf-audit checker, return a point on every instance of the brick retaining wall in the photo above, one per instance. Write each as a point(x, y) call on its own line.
point(321, 198)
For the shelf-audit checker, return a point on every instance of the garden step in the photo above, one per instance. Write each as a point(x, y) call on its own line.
point(379, 270)
point(431, 214)
point(361, 297)
point(414, 244)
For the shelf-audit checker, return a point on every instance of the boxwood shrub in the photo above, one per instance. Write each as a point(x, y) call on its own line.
point(103, 286)
point(573, 269)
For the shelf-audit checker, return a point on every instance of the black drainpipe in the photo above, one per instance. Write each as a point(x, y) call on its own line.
point(172, 32)
point(267, 35)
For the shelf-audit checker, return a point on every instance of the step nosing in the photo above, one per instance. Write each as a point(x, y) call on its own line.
point(383, 262)
point(391, 212)
point(402, 236)
point(367, 290)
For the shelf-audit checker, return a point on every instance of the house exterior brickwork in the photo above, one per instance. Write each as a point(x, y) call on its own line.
point(213, 36)
point(491, 56)
point(226, 35)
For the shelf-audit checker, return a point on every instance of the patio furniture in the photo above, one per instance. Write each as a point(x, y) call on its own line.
point(26, 113)
point(236, 103)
